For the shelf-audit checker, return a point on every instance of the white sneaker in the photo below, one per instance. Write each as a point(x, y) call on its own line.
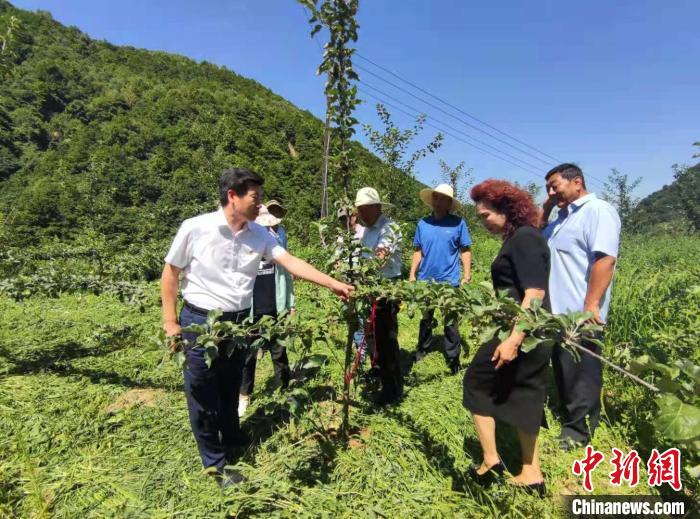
point(243, 402)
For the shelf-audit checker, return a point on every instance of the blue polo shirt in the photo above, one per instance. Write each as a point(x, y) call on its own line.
point(440, 242)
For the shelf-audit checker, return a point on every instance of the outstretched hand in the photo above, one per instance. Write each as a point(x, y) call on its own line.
point(342, 290)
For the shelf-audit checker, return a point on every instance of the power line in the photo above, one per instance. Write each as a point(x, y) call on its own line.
point(454, 107)
point(537, 175)
point(588, 176)
point(535, 167)
point(450, 114)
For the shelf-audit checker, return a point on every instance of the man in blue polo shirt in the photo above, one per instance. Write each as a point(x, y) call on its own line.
point(584, 241)
point(441, 244)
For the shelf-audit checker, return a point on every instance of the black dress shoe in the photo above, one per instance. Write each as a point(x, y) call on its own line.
point(538, 489)
point(229, 478)
point(391, 392)
point(372, 374)
point(568, 444)
point(226, 477)
point(454, 366)
point(490, 476)
point(240, 439)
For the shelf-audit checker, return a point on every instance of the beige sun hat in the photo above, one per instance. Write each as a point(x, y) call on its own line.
point(369, 196)
point(426, 195)
point(267, 219)
point(277, 208)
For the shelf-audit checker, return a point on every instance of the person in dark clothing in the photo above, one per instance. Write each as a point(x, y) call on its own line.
point(502, 383)
point(273, 292)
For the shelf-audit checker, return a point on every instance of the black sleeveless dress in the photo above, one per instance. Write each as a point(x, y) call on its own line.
point(515, 393)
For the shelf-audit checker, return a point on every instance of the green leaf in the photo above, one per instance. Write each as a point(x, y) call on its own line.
point(694, 471)
point(258, 343)
point(180, 359)
point(195, 328)
point(642, 364)
point(285, 342)
point(524, 326)
point(529, 344)
point(668, 385)
point(315, 361)
point(212, 317)
point(690, 369)
point(668, 372)
point(597, 342)
point(535, 304)
point(581, 317)
point(210, 354)
point(677, 420)
point(488, 334)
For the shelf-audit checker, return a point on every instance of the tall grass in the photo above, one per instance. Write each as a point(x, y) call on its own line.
point(91, 424)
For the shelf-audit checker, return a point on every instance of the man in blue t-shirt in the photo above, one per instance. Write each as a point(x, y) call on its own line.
point(441, 243)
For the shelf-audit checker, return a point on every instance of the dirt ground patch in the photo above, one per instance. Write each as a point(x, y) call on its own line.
point(133, 397)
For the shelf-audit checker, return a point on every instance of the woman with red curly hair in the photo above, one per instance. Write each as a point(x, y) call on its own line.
point(501, 382)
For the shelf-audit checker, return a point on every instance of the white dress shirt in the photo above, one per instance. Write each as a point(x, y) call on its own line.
point(219, 265)
point(586, 226)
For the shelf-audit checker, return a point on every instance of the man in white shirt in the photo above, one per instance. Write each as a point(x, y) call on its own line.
point(383, 237)
point(218, 254)
point(584, 241)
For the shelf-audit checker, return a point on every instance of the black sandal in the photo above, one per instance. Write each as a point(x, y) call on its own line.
point(490, 476)
point(538, 489)
point(535, 489)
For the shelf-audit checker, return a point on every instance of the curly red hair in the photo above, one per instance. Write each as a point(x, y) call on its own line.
point(508, 199)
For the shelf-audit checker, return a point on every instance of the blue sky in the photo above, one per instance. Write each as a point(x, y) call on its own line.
point(607, 84)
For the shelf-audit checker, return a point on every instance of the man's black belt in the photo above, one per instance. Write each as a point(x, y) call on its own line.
point(236, 317)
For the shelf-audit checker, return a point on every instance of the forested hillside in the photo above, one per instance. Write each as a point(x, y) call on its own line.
point(673, 208)
point(122, 142)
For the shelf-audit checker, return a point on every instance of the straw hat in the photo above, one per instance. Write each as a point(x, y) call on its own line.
point(276, 208)
point(369, 196)
point(426, 195)
point(266, 219)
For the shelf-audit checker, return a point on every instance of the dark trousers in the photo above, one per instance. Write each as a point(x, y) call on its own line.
point(579, 384)
point(279, 361)
point(452, 340)
point(386, 329)
point(212, 393)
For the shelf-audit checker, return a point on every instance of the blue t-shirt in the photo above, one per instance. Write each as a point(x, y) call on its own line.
point(440, 242)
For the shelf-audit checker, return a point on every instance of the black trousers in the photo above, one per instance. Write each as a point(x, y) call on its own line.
point(212, 393)
point(386, 329)
point(280, 363)
point(579, 385)
point(452, 340)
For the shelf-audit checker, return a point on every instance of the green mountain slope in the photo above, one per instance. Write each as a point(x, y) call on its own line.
point(127, 142)
point(673, 208)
